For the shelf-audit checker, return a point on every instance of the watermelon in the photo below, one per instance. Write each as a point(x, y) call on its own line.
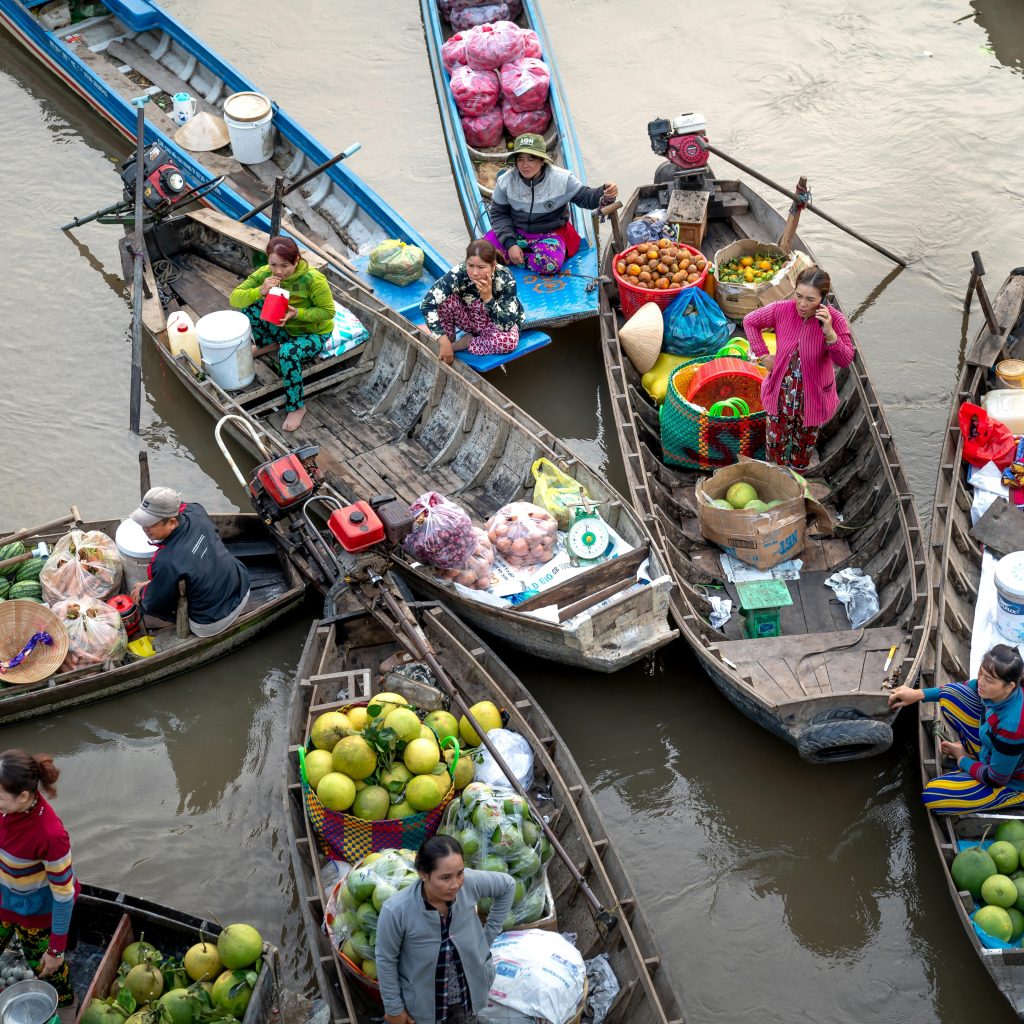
point(29, 589)
point(5, 585)
point(29, 570)
point(11, 551)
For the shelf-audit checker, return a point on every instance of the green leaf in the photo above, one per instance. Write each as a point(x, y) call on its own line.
point(239, 986)
point(373, 710)
point(251, 977)
point(126, 1000)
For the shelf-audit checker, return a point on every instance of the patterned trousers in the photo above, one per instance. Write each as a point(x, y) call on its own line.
point(34, 943)
point(787, 441)
point(956, 792)
point(486, 338)
point(544, 254)
point(295, 350)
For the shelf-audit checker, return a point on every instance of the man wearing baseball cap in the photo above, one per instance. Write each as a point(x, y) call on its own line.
point(189, 549)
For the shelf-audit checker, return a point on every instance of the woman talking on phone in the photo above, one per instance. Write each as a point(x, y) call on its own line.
point(799, 393)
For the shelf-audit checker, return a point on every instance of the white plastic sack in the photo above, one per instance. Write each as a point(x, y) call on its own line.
point(515, 752)
point(857, 592)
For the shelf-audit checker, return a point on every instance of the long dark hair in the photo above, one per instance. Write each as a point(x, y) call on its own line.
point(815, 277)
point(21, 772)
point(1005, 663)
point(435, 849)
point(483, 250)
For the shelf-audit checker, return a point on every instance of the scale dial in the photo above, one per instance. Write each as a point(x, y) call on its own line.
point(587, 539)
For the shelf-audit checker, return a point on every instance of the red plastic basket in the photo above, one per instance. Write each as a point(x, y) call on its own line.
point(724, 378)
point(633, 296)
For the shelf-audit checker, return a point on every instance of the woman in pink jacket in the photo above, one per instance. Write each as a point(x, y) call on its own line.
point(799, 393)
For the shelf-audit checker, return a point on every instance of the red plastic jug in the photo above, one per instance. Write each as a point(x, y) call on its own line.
point(275, 305)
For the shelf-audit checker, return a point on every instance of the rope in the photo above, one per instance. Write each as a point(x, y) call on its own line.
point(802, 201)
point(884, 514)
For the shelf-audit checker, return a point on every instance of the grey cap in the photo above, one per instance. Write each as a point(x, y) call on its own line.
point(158, 504)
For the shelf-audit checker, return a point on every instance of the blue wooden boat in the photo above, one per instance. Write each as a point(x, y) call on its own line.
point(549, 301)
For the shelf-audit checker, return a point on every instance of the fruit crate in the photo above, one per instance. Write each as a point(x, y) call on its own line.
point(688, 210)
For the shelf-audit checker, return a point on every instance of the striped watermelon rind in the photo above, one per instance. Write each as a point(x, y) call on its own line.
point(5, 585)
point(11, 551)
point(29, 570)
point(26, 589)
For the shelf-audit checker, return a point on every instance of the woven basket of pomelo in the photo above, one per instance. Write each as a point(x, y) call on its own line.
point(657, 272)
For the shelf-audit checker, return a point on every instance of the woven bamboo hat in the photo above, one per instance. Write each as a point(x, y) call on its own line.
point(642, 335)
point(203, 133)
point(20, 620)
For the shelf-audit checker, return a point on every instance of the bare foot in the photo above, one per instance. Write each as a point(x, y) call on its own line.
point(293, 420)
point(255, 349)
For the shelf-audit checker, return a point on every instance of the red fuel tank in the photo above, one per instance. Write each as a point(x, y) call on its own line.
point(356, 527)
point(285, 480)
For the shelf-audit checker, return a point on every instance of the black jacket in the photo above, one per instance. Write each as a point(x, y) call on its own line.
point(215, 581)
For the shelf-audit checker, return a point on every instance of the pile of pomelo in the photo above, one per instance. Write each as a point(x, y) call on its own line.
point(996, 877)
point(384, 761)
point(744, 495)
point(213, 981)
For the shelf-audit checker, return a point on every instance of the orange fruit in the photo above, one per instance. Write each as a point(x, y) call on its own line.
point(621, 266)
point(634, 271)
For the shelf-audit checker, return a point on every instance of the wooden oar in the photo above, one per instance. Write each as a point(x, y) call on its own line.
point(792, 195)
point(138, 260)
point(350, 275)
point(31, 531)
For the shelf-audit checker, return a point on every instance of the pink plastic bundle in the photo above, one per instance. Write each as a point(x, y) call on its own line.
point(475, 92)
point(453, 51)
point(95, 632)
point(467, 17)
point(523, 533)
point(519, 121)
point(442, 534)
point(486, 130)
point(476, 573)
point(531, 43)
point(524, 83)
point(490, 46)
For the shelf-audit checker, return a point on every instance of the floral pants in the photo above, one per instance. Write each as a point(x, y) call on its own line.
point(787, 441)
point(34, 943)
point(487, 338)
point(544, 254)
point(295, 350)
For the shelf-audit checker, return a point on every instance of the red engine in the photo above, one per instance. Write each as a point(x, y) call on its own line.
point(680, 140)
point(279, 485)
point(163, 181)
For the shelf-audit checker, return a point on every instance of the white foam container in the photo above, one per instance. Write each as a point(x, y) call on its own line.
point(136, 552)
point(225, 340)
point(1010, 596)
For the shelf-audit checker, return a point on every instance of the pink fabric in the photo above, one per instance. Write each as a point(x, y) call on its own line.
point(486, 338)
point(817, 360)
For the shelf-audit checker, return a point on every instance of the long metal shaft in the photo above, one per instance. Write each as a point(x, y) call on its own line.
point(138, 261)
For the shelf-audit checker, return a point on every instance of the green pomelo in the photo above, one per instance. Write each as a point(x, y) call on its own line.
point(405, 723)
point(515, 805)
point(524, 863)
point(426, 733)
point(372, 803)
point(318, 764)
point(349, 919)
point(1018, 884)
point(740, 493)
point(361, 883)
point(423, 793)
point(970, 868)
point(492, 862)
point(383, 892)
point(999, 891)
point(382, 704)
point(99, 1012)
point(1004, 856)
point(180, 1005)
point(444, 724)
point(756, 506)
point(142, 1016)
point(442, 778)
point(721, 503)
point(484, 904)
point(403, 809)
point(531, 833)
point(239, 945)
point(486, 817)
point(1017, 920)
point(465, 770)
point(336, 791)
point(362, 945)
point(366, 917)
point(348, 951)
point(395, 778)
point(474, 793)
point(469, 841)
point(546, 850)
point(369, 968)
point(422, 756)
point(775, 503)
point(994, 921)
point(330, 727)
point(232, 992)
point(354, 757)
point(488, 717)
point(520, 893)
point(1011, 831)
point(145, 983)
point(140, 952)
point(506, 839)
point(348, 899)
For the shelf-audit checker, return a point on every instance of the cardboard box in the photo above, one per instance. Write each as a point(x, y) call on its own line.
point(737, 300)
point(761, 539)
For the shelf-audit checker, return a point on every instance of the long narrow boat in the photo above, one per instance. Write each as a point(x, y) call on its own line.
point(136, 47)
point(106, 922)
point(277, 589)
point(341, 659)
point(572, 295)
point(819, 686)
point(956, 568)
point(396, 420)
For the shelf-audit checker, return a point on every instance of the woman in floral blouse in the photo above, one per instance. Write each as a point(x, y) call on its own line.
point(479, 298)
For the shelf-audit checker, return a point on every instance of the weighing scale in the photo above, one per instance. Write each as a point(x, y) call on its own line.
point(588, 539)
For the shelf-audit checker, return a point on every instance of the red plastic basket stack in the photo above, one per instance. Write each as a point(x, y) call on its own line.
point(724, 378)
point(633, 296)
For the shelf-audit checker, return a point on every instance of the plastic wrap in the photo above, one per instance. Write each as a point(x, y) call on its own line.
point(531, 44)
point(475, 92)
point(397, 262)
point(497, 832)
point(467, 17)
point(95, 632)
point(523, 533)
point(650, 228)
point(856, 591)
point(83, 564)
point(476, 573)
point(453, 51)
point(556, 492)
point(519, 121)
point(442, 533)
point(515, 752)
point(524, 83)
point(487, 47)
point(485, 131)
point(694, 325)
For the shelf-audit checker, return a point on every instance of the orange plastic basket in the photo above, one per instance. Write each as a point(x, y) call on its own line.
point(728, 377)
point(633, 296)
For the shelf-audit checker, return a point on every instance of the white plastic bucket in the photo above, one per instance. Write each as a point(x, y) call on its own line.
point(1010, 596)
point(225, 340)
point(249, 117)
point(135, 550)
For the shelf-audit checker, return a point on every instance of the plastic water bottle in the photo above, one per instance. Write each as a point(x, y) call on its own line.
point(181, 336)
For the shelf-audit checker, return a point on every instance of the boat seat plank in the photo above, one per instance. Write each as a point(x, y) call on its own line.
point(817, 601)
point(774, 680)
point(589, 581)
point(134, 55)
point(792, 648)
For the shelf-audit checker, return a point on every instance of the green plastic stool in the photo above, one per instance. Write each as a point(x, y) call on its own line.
point(760, 604)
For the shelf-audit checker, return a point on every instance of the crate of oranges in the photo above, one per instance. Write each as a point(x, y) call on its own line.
point(749, 274)
point(657, 272)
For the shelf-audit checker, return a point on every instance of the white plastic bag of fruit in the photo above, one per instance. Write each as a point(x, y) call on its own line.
point(95, 632)
point(83, 564)
point(523, 533)
point(476, 573)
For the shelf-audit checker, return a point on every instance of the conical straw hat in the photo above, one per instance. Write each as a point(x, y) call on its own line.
point(19, 621)
point(641, 337)
point(202, 133)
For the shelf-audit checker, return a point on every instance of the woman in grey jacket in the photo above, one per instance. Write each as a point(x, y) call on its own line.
point(433, 954)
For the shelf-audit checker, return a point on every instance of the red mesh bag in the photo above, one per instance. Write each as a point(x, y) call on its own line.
point(490, 46)
point(475, 92)
point(524, 83)
point(484, 131)
point(531, 44)
point(453, 51)
point(519, 121)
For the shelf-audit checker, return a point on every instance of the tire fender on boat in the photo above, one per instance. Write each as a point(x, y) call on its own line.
point(843, 734)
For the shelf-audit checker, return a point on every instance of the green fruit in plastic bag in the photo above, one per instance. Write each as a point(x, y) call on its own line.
point(492, 862)
point(524, 863)
point(507, 838)
point(361, 883)
point(366, 917)
point(469, 841)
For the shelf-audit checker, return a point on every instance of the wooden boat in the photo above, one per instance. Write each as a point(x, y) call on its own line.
point(820, 685)
point(106, 922)
point(572, 295)
point(342, 658)
point(395, 420)
point(135, 46)
point(956, 567)
point(277, 589)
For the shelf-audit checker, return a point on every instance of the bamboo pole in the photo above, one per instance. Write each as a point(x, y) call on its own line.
point(138, 259)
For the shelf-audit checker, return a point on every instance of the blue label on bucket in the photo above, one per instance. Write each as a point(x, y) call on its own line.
point(1010, 619)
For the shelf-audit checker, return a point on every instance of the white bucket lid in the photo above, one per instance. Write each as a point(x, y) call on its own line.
point(132, 541)
point(246, 106)
point(222, 327)
point(1010, 574)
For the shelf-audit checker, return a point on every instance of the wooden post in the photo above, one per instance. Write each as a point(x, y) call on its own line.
point(144, 482)
point(278, 207)
point(789, 232)
point(976, 283)
point(181, 625)
point(138, 259)
point(612, 212)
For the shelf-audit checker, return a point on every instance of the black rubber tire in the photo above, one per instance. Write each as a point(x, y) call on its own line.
point(665, 173)
point(844, 739)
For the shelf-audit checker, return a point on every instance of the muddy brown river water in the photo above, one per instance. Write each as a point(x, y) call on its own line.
point(778, 891)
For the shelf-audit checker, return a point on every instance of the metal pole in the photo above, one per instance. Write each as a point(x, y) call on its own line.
point(138, 261)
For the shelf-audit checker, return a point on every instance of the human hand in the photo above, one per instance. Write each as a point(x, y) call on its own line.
point(289, 314)
point(136, 592)
point(767, 361)
point(824, 317)
point(611, 193)
point(447, 353)
point(49, 964)
point(399, 1018)
point(904, 696)
point(954, 750)
point(268, 283)
point(515, 254)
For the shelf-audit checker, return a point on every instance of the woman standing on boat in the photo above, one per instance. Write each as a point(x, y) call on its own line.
point(987, 717)
point(433, 954)
point(530, 223)
point(479, 298)
point(799, 393)
point(308, 321)
point(38, 887)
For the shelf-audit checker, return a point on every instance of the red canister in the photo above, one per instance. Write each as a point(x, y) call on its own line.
point(275, 305)
point(131, 617)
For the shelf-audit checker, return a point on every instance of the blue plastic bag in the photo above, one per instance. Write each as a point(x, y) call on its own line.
point(695, 325)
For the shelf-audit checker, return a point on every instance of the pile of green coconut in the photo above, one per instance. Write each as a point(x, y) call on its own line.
point(213, 982)
point(994, 876)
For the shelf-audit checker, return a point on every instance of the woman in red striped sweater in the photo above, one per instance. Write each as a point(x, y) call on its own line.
point(37, 882)
point(799, 393)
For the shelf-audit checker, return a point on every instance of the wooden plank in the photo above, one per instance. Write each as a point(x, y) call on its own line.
point(773, 680)
point(1001, 528)
point(244, 233)
point(589, 580)
point(816, 598)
